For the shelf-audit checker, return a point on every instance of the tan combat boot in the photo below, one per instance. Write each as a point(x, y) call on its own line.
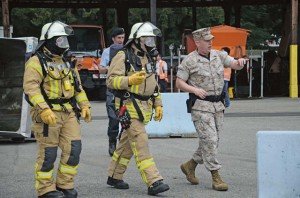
point(188, 169)
point(218, 183)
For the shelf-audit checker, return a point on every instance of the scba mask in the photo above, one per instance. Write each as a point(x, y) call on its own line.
point(150, 45)
point(62, 42)
point(149, 41)
point(57, 45)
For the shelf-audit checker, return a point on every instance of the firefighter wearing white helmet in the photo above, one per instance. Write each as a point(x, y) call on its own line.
point(144, 35)
point(132, 77)
point(53, 89)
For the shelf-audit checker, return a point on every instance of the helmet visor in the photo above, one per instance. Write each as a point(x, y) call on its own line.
point(157, 32)
point(149, 41)
point(147, 29)
point(69, 30)
point(155, 29)
point(62, 42)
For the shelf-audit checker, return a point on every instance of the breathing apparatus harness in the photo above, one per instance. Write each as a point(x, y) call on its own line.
point(133, 60)
point(70, 65)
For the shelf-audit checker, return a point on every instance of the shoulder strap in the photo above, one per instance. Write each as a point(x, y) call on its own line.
point(43, 63)
point(127, 60)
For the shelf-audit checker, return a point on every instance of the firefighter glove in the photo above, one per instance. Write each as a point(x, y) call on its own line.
point(86, 114)
point(137, 78)
point(158, 113)
point(48, 117)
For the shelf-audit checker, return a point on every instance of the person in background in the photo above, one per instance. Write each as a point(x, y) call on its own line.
point(201, 74)
point(227, 76)
point(162, 73)
point(117, 36)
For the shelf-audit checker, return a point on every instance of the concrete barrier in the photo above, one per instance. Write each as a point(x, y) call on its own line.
point(176, 121)
point(278, 164)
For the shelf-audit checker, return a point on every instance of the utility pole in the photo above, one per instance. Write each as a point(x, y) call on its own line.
point(294, 51)
point(295, 13)
point(122, 16)
point(153, 11)
point(5, 18)
point(194, 14)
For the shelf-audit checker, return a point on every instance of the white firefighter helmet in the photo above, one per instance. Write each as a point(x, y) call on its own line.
point(144, 29)
point(55, 28)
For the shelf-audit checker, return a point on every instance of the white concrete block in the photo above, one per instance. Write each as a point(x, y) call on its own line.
point(278, 164)
point(176, 121)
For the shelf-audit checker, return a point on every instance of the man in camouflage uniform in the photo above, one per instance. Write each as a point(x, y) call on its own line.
point(132, 77)
point(201, 74)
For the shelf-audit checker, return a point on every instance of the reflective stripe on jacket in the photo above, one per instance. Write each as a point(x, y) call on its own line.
point(118, 80)
point(54, 89)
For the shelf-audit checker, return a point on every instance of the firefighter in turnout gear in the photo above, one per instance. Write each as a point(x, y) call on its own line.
point(132, 77)
point(52, 87)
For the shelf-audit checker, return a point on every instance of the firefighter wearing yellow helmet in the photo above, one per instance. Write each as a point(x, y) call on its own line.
point(52, 86)
point(132, 77)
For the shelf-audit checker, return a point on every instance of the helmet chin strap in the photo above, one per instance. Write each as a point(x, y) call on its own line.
point(151, 51)
point(139, 45)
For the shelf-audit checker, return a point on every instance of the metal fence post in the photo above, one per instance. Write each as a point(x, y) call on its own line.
point(179, 58)
point(171, 47)
point(250, 77)
point(262, 75)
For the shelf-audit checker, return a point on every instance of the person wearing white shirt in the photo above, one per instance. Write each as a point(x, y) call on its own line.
point(117, 36)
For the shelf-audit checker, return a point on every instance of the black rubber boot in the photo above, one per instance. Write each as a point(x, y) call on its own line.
point(53, 194)
point(158, 187)
point(112, 146)
point(69, 193)
point(119, 184)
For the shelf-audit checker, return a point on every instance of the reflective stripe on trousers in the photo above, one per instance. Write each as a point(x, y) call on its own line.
point(65, 135)
point(134, 141)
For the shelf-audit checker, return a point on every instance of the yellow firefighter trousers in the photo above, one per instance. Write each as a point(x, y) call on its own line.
point(65, 135)
point(134, 141)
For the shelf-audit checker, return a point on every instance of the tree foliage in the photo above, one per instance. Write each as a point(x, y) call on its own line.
point(261, 20)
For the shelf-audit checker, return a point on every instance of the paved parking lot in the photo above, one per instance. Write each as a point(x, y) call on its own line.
point(237, 154)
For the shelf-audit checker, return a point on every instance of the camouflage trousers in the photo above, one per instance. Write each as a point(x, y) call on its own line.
point(208, 126)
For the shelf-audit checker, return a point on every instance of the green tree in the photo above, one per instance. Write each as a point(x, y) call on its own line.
point(261, 20)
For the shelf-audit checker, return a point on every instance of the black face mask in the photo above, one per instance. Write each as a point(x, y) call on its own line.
point(152, 51)
point(53, 48)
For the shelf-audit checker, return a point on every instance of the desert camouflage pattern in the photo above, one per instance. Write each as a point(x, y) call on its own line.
point(200, 72)
point(203, 33)
point(208, 126)
point(207, 74)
